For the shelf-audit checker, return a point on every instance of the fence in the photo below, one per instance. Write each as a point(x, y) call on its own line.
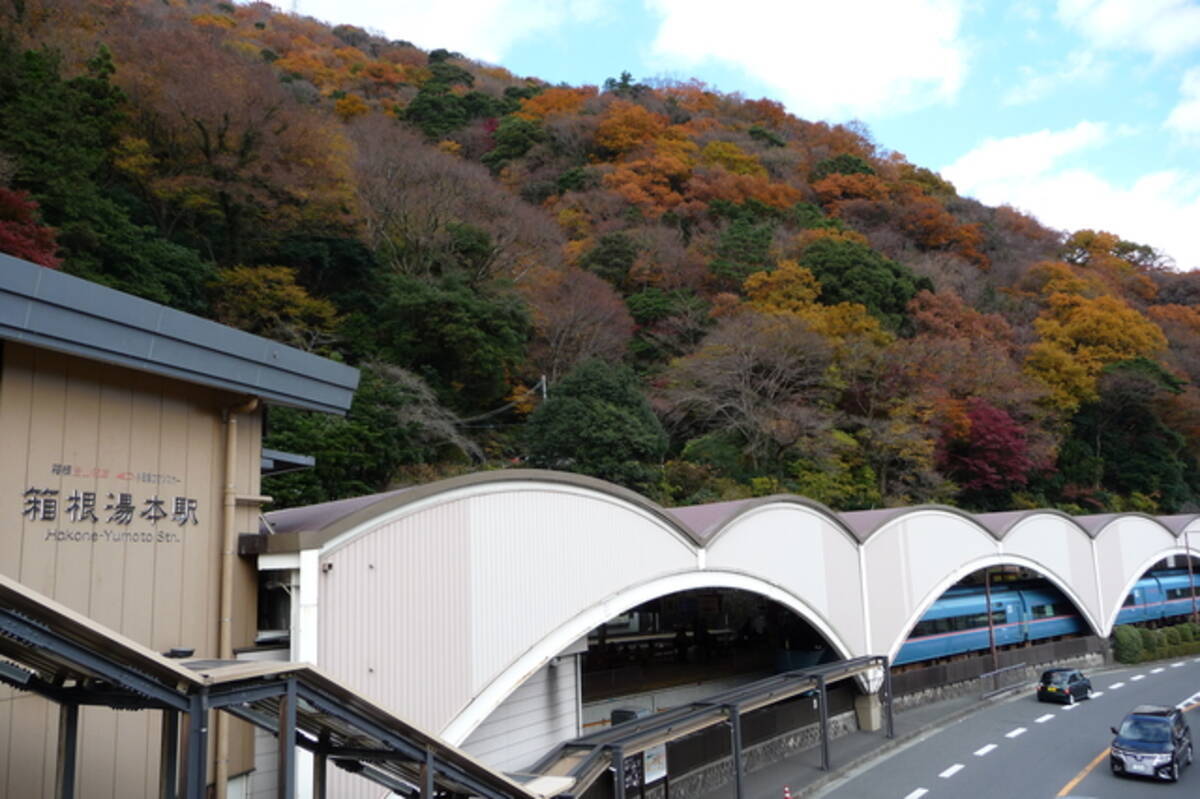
point(973, 667)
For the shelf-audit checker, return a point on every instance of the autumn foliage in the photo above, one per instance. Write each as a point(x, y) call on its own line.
point(803, 309)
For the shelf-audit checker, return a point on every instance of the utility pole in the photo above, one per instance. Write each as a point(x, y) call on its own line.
point(987, 591)
point(1187, 553)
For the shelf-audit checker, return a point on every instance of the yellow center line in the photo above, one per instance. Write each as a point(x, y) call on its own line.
point(1070, 786)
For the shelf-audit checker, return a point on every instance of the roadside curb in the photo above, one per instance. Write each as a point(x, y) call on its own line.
point(887, 746)
point(901, 740)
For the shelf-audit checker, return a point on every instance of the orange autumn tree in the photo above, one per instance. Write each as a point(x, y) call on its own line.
point(655, 184)
point(555, 100)
point(625, 126)
point(1121, 264)
point(1079, 336)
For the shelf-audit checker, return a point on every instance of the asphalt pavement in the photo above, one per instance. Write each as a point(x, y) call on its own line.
point(1008, 746)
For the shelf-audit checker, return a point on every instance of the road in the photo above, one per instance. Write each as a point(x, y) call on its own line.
point(1031, 750)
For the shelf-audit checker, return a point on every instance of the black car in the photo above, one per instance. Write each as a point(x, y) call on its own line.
point(1153, 741)
point(1064, 685)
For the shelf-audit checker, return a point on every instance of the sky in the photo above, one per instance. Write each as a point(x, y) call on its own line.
point(1084, 113)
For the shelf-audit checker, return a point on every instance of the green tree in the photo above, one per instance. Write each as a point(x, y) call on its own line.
point(743, 249)
point(513, 137)
point(1120, 443)
point(612, 257)
point(853, 272)
point(597, 422)
point(394, 421)
point(59, 133)
point(844, 164)
point(465, 341)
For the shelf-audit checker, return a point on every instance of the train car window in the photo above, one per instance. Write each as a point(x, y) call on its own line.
point(1041, 611)
point(1129, 600)
point(1064, 609)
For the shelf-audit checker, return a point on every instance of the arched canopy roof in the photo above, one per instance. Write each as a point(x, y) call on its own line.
point(312, 526)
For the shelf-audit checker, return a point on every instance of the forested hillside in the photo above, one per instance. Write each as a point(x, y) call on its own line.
point(724, 300)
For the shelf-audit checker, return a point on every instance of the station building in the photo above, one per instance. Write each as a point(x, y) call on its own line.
point(130, 460)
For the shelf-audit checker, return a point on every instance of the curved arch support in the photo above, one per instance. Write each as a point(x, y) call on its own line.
point(488, 699)
point(1119, 600)
point(1125, 548)
point(998, 559)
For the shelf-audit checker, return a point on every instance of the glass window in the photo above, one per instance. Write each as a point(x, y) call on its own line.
point(1148, 730)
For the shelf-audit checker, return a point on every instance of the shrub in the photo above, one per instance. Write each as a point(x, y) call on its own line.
point(1172, 636)
point(1128, 648)
point(1186, 635)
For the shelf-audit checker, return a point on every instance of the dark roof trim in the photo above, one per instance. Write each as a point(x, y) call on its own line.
point(311, 527)
point(278, 462)
point(717, 530)
point(56, 311)
point(296, 535)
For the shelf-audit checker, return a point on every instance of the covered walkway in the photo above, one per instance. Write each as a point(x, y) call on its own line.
point(47, 649)
point(586, 759)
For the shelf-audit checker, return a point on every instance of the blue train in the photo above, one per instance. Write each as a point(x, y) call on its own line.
point(958, 622)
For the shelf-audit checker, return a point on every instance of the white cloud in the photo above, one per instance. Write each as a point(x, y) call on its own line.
point(1164, 28)
point(825, 60)
point(1021, 157)
point(481, 29)
point(1159, 209)
point(1184, 119)
point(1079, 67)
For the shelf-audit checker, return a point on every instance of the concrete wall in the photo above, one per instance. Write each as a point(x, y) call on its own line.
point(70, 428)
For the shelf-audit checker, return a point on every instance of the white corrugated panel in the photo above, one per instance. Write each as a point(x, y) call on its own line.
point(1065, 553)
point(394, 614)
point(798, 549)
point(910, 560)
point(543, 556)
point(1125, 549)
point(532, 720)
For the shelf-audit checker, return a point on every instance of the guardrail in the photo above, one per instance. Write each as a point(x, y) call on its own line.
point(1002, 679)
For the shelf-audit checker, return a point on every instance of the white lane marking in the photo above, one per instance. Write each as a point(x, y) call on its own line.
point(950, 772)
point(984, 750)
point(1116, 685)
point(1180, 664)
point(1014, 733)
point(1158, 670)
point(1043, 719)
point(917, 794)
point(1069, 707)
point(1097, 694)
point(1137, 677)
point(1197, 660)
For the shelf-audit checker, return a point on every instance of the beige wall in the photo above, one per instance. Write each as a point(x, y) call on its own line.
point(76, 428)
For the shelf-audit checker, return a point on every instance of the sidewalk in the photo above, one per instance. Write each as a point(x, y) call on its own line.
point(802, 773)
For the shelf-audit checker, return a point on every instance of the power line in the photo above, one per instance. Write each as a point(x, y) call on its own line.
point(539, 386)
